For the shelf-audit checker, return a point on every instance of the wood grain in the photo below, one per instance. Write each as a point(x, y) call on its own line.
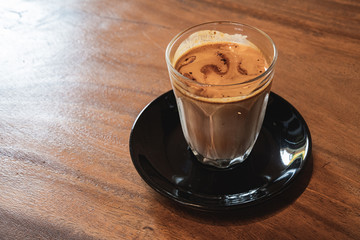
point(75, 74)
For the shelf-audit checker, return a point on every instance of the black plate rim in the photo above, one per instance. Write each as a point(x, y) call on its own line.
point(213, 208)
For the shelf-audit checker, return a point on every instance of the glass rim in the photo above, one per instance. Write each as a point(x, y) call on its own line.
point(261, 76)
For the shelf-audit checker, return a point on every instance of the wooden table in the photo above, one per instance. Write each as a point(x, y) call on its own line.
point(75, 74)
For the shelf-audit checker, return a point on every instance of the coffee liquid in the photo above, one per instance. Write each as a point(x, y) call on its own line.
point(216, 124)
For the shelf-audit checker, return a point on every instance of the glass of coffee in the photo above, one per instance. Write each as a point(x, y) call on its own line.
point(221, 74)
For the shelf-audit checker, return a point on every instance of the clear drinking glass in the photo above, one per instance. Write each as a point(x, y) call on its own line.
point(221, 130)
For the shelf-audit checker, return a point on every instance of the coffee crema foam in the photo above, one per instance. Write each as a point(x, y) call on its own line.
point(221, 63)
point(217, 64)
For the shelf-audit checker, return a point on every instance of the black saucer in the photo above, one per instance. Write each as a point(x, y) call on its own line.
point(162, 158)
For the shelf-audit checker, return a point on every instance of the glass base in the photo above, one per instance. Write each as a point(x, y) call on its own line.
point(221, 163)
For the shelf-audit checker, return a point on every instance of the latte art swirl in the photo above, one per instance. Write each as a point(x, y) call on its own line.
point(221, 63)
